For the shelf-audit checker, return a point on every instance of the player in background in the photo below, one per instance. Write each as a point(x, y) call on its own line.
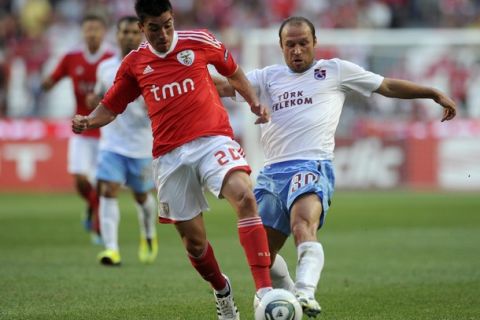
point(193, 147)
point(125, 157)
point(294, 189)
point(80, 65)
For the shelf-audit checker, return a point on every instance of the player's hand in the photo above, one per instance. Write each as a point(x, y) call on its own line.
point(262, 112)
point(449, 108)
point(79, 123)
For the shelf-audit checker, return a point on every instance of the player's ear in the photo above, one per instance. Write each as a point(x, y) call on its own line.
point(140, 25)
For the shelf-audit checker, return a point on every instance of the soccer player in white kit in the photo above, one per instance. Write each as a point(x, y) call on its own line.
point(125, 157)
point(295, 187)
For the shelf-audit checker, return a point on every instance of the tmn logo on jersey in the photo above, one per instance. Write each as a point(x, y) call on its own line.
point(186, 57)
point(172, 89)
point(320, 74)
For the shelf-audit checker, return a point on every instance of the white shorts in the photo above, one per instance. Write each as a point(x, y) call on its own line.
point(182, 175)
point(82, 155)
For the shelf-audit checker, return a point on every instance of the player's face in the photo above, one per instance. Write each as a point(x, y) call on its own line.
point(298, 45)
point(159, 31)
point(93, 34)
point(129, 36)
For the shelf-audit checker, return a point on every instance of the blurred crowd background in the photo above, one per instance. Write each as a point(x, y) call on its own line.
point(34, 33)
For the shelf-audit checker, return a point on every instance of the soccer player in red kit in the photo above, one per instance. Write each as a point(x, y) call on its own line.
point(193, 146)
point(81, 65)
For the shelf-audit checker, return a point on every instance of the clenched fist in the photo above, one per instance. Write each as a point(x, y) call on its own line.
point(79, 123)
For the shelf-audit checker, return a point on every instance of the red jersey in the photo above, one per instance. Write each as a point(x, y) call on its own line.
point(81, 67)
point(183, 103)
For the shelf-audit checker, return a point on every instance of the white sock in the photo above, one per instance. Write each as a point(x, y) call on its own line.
point(280, 275)
point(109, 221)
point(146, 213)
point(309, 266)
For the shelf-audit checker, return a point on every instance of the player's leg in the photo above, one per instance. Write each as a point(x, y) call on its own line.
point(305, 219)
point(237, 189)
point(278, 270)
point(139, 179)
point(202, 257)
point(82, 158)
point(181, 201)
point(225, 172)
point(109, 212)
point(111, 174)
point(311, 190)
point(271, 192)
point(146, 213)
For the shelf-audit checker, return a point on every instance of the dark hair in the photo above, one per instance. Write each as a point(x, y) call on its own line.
point(127, 19)
point(94, 17)
point(296, 21)
point(152, 8)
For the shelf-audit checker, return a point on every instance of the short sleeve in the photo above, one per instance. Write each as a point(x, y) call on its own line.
point(356, 78)
point(124, 90)
point(219, 56)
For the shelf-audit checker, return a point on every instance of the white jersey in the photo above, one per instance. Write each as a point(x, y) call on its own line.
point(306, 107)
point(130, 134)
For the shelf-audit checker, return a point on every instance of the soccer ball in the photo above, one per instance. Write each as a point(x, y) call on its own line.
point(278, 304)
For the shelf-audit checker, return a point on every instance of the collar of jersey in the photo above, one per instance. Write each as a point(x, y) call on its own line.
point(172, 47)
point(94, 57)
point(311, 66)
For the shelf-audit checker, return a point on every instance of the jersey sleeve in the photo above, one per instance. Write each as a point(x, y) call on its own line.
point(356, 78)
point(124, 90)
point(219, 56)
point(61, 70)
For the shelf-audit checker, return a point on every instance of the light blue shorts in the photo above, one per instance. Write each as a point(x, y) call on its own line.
point(133, 172)
point(280, 184)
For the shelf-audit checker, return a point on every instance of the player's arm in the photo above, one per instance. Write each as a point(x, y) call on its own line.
point(99, 117)
point(403, 89)
point(224, 88)
point(238, 80)
point(47, 83)
point(59, 72)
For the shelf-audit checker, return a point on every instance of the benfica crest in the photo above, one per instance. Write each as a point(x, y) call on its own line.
point(186, 57)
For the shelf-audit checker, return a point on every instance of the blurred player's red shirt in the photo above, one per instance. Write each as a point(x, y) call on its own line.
point(182, 101)
point(81, 67)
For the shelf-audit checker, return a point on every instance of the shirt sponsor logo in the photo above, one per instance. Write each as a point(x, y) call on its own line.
point(291, 99)
point(186, 57)
point(173, 89)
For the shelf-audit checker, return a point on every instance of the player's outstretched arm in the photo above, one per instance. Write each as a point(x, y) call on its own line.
point(240, 83)
point(97, 118)
point(403, 89)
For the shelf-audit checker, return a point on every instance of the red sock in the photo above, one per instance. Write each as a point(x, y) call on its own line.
point(208, 268)
point(90, 195)
point(93, 202)
point(254, 242)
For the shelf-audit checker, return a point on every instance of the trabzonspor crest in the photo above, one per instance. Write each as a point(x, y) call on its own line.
point(186, 57)
point(320, 74)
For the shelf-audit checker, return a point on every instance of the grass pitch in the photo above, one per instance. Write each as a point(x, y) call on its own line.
point(392, 255)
